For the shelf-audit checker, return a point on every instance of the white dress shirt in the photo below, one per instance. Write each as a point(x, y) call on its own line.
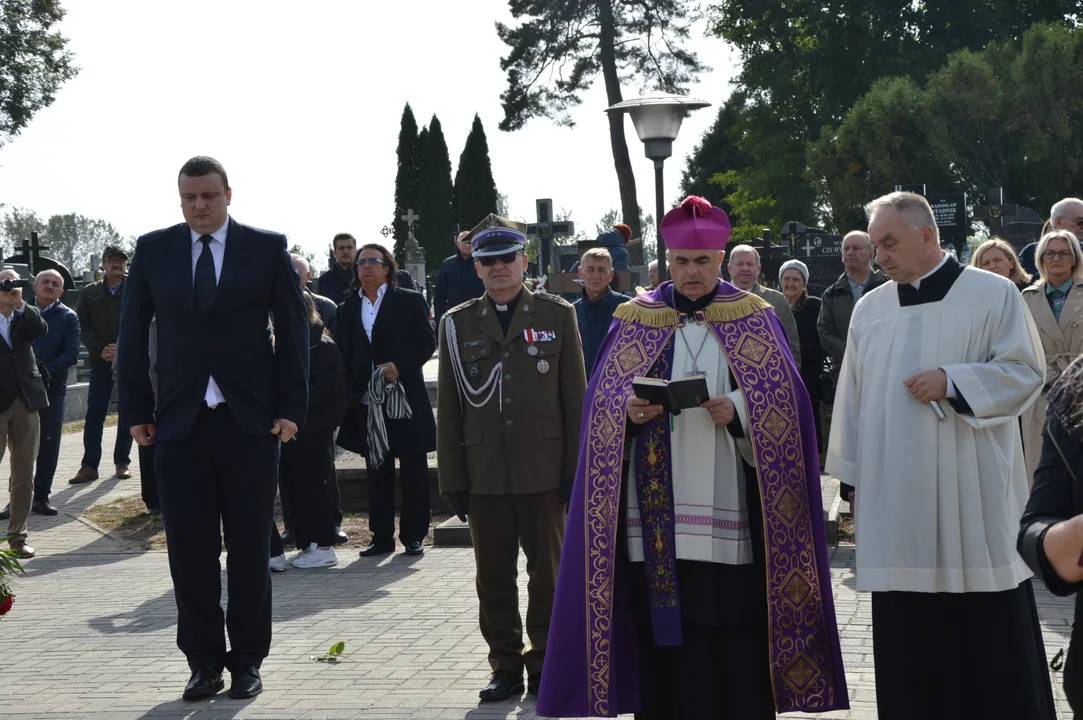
point(217, 247)
point(5, 324)
point(369, 309)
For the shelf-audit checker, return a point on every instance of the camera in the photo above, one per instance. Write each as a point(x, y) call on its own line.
point(7, 284)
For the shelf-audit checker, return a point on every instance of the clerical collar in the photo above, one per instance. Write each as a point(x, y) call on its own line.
point(934, 286)
point(687, 306)
point(510, 307)
point(917, 283)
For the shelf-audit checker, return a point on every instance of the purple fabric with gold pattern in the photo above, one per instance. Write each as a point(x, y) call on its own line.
point(591, 663)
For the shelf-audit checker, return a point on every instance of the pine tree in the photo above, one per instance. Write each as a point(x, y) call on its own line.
point(475, 189)
point(408, 154)
point(435, 193)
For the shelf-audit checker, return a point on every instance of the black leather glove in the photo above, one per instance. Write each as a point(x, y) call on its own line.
point(459, 502)
point(566, 486)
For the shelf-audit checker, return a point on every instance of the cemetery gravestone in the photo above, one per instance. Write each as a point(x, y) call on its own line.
point(545, 230)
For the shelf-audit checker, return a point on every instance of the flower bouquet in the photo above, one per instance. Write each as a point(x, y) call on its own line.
point(9, 566)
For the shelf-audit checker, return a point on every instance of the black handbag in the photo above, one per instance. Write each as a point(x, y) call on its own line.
point(1067, 658)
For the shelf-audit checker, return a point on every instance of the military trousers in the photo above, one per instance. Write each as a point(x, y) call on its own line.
point(499, 525)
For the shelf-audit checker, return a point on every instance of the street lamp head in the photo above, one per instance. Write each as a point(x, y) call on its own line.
point(657, 119)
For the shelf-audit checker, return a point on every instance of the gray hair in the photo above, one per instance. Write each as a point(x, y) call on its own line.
point(858, 233)
point(49, 271)
point(652, 265)
point(1060, 208)
point(912, 208)
point(299, 259)
point(598, 253)
point(1073, 245)
point(745, 250)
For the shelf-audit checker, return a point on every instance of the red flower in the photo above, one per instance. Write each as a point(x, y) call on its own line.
point(6, 604)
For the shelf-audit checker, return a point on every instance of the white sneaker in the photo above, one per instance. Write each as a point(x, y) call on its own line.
point(316, 558)
point(296, 555)
point(277, 563)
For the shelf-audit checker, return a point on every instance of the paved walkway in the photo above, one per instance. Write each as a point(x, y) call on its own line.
point(92, 632)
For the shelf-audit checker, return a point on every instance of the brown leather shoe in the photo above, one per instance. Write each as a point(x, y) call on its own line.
point(84, 475)
point(123, 472)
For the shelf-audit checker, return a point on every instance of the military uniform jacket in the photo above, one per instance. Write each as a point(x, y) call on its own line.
point(525, 437)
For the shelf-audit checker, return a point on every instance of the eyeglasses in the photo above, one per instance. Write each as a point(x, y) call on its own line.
point(1057, 255)
point(370, 261)
point(507, 258)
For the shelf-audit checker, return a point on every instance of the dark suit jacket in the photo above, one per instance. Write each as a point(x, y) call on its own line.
point(25, 328)
point(403, 335)
point(261, 380)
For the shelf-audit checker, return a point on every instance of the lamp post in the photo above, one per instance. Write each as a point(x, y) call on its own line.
point(657, 119)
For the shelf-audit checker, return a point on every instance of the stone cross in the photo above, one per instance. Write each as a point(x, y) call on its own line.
point(545, 230)
point(410, 218)
point(994, 213)
point(31, 250)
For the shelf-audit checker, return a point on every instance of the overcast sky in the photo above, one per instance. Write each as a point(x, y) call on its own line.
point(301, 102)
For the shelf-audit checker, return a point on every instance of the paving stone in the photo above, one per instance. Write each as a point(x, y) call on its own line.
point(92, 634)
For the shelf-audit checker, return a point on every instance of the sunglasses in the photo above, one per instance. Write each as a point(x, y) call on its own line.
point(370, 261)
point(507, 258)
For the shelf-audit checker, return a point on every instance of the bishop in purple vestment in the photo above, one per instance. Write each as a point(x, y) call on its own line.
point(694, 580)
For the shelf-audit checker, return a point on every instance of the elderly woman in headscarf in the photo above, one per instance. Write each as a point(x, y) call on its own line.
point(793, 276)
point(998, 257)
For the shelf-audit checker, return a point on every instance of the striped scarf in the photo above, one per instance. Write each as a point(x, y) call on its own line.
point(385, 399)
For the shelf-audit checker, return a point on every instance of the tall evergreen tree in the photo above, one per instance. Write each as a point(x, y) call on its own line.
point(435, 192)
point(475, 189)
point(406, 178)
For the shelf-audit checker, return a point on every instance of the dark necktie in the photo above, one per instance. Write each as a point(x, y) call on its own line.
point(205, 280)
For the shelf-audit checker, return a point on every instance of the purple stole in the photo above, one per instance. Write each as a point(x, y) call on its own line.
point(591, 665)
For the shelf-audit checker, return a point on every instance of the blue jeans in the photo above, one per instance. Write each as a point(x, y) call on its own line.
point(52, 426)
point(101, 387)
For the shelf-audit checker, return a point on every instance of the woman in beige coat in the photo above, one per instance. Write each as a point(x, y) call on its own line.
point(1056, 303)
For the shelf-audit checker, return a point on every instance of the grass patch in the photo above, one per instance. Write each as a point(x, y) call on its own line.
point(125, 519)
point(846, 528)
point(77, 425)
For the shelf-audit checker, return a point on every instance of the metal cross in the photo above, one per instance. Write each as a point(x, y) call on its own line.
point(31, 250)
point(386, 231)
point(808, 247)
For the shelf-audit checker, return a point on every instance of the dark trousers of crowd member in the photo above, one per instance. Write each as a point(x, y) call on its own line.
point(304, 474)
point(99, 392)
point(332, 495)
point(219, 473)
point(19, 433)
point(148, 479)
point(51, 420)
point(499, 524)
point(414, 511)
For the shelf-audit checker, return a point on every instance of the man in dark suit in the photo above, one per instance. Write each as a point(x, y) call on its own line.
point(228, 393)
point(22, 395)
point(386, 327)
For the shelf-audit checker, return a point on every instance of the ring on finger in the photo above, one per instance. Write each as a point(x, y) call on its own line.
point(639, 415)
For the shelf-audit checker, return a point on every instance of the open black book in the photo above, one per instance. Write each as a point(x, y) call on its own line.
point(673, 395)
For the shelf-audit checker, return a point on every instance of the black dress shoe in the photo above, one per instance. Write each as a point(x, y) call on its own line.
point(245, 683)
point(341, 538)
point(502, 686)
point(5, 514)
point(288, 538)
point(374, 549)
point(414, 548)
point(533, 683)
point(44, 508)
point(205, 682)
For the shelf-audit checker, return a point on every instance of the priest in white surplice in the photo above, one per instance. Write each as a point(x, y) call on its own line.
point(938, 499)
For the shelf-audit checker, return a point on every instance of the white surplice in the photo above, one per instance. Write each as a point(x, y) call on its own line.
point(938, 501)
point(709, 504)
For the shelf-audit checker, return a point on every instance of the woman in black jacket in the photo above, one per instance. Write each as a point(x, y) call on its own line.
point(306, 464)
point(793, 276)
point(384, 328)
point(1051, 536)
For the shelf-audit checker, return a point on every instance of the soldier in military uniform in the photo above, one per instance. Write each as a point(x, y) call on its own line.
point(511, 391)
